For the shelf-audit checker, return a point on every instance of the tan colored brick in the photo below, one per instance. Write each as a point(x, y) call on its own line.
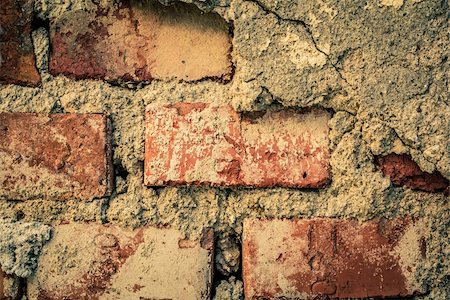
point(17, 60)
point(335, 258)
point(140, 41)
point(56, 156)
point(108, 262)
point(196, 143)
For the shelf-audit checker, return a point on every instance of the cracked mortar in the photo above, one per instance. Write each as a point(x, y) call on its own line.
point(383, 68)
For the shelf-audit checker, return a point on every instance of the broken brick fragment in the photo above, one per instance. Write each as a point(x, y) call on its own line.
point(331, 258)
point(17, 59)
point(198, 143)
point(402, 170)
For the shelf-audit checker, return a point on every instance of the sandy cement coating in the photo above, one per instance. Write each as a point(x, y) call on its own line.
point(381, 66)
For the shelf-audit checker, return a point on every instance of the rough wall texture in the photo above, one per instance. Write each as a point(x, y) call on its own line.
point(379, 67)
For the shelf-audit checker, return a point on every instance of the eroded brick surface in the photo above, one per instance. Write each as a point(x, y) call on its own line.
point(334, 258)
point(56, 156)
point(196, 143)
point(136, 41)
point(108, 262)
point(402, 170)
point(17, 60)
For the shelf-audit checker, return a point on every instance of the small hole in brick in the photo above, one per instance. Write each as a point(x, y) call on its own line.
point(305, 174)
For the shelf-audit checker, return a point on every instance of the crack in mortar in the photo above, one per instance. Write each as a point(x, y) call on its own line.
point(310, 33)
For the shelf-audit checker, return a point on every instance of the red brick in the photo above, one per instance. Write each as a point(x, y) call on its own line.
point(402, 170)
point(137, 41)
point(337, 258)
point(17, 60)
point(108, 262)
point(189, 143)
point(56, 156)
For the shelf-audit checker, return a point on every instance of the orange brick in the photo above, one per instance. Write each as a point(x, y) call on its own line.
point(189, 143)
point(331, 258)
point(17, 60)
point(56, 156)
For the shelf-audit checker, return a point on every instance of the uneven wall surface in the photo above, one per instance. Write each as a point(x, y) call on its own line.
point(222, 149)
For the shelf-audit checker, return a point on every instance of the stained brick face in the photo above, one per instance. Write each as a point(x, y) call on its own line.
point(140, 41)
point(402, 170)
point(197, 143)
point(107, 262)
point(17, 60)
point(56, 156)
point(336, 258)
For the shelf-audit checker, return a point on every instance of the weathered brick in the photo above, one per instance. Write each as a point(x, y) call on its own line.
point(334, 258)
point(136, 41)
point(17, 60)
point(196, 143)
point(402, 170)
point(109, 262)
point(56, 156)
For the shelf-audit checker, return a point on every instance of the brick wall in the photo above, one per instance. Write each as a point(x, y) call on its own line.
point(226, 150)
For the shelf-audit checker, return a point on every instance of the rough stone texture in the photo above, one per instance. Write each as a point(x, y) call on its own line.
point(139, 41)
point(17, 59)
point(281, 57)
point(20, 245)
point(228, 258)
point(231, 289)
point(341, 259)
point(108, 262)
point(57, 156)
point(402, 170)
point(196, 143)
